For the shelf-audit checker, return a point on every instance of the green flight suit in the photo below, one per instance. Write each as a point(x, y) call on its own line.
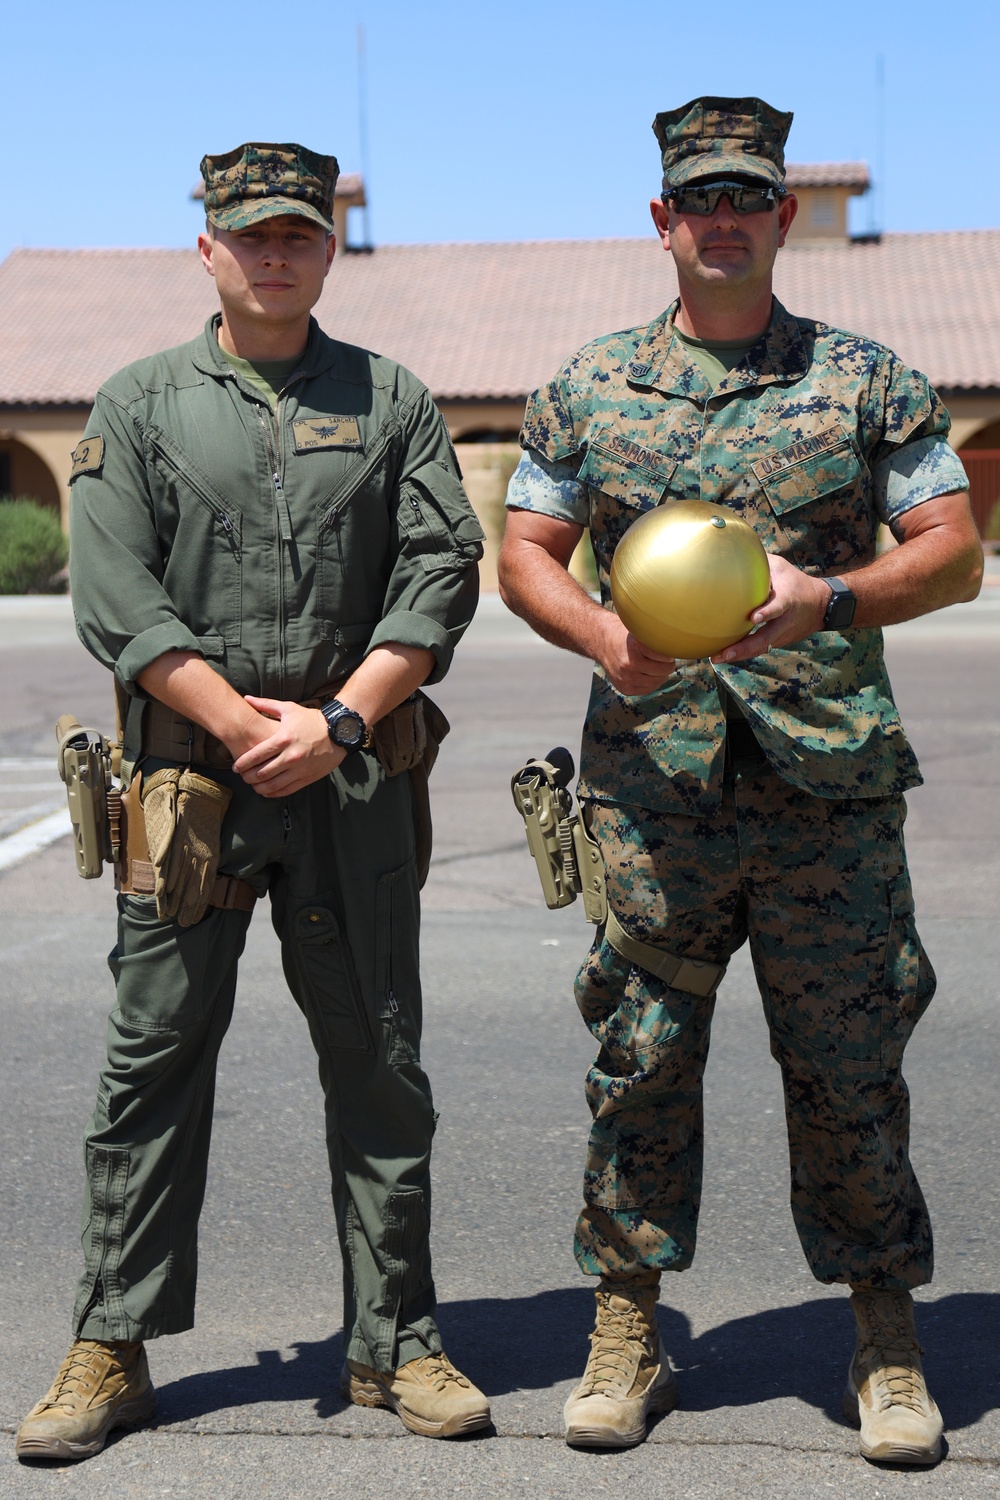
point(283, 547)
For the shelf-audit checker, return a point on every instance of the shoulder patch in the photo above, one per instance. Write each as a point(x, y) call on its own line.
point(326, 432)
point(88, 457)
point(802, 448)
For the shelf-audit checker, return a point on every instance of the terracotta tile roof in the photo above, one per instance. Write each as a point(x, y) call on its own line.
point(849, 174)
point(481, 321)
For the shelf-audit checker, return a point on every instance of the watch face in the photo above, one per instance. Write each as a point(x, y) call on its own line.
point(348, 730)
point(840, 610)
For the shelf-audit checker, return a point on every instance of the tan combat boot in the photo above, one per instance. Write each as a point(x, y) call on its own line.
point(428, 1395)
point(99, 1387)
point(627, 1375)
point(886, 1393)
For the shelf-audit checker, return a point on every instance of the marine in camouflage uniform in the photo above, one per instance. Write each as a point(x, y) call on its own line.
point(271, 550)
point(757, 796)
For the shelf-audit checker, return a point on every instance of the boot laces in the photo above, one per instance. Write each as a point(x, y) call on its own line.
point(892, 1355)
point(439, 1371)
point(612, 1341)
point(83, 1362)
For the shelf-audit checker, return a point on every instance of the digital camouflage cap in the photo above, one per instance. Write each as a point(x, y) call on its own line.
point(261, 180)
point(714, 137)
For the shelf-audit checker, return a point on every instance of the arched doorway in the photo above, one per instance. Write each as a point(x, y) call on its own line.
point(24, 475)
point(981, 456)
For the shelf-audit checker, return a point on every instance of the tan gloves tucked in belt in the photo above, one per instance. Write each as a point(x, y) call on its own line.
point(183, 813)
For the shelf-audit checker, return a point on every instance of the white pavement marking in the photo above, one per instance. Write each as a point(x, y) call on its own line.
point(33, 838)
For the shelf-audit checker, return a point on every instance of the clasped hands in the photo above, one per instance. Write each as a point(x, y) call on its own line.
point(794, 609)
point(283, 747)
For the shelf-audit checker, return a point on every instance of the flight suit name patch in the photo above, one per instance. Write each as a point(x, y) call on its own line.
point(794, 453)
point(88, 457)
point(326, 432)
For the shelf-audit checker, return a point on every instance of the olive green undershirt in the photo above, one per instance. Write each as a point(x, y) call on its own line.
point(716, 357)
point(265, 375)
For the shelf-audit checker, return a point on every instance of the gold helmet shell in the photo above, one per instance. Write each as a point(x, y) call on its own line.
point(686, 576)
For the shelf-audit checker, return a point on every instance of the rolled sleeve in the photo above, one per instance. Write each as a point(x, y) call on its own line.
point(124, 615)
point(143, 650)
point(550, 488)
point(433, 587)
point(917, 472)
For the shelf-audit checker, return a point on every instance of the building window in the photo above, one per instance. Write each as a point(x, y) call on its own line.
point(823, 211)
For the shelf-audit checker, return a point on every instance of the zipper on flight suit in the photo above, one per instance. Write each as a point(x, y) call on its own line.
point(165, 449)
point(272, 454)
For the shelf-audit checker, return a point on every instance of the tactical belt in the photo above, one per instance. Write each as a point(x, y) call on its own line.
point(689, 974)
point(168, 736)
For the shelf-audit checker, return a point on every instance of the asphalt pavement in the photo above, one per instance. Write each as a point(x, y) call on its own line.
point(248, 1400)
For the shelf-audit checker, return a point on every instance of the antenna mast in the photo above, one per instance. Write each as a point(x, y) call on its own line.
point(363, 134)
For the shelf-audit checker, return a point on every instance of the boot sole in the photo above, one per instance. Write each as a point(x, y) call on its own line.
point(129, 1415)
point(369, 1393)
point(662, 1401)
point(888, 1452)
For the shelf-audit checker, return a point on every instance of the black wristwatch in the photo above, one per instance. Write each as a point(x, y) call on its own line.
point(840, 610)
point(346, 728)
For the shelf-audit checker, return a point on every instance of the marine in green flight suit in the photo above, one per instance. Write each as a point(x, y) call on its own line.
point(757, 796)
point(272, 551)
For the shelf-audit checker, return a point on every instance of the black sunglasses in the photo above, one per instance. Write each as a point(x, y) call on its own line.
point(703, 198)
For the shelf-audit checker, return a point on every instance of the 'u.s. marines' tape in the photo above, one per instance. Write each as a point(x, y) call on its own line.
point(797, 452)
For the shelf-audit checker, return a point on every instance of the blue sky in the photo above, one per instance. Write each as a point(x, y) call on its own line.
point(486, 121)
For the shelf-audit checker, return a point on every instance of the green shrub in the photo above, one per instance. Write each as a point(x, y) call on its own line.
point(993, 524)
point(32, 549)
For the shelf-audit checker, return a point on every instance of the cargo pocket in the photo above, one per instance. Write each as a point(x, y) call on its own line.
point(909, 980)
point(397, 973)
point(637, 483)
point(825, 496)
point(331, 984)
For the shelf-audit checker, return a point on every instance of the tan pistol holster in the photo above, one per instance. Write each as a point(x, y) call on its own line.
point(570, 863)
point(85, 765)
point(108, 823)
point(568, 858)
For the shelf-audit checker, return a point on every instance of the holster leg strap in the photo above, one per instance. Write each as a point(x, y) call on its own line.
point(689, 974)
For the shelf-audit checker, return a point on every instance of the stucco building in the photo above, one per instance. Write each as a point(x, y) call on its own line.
point(483, 324)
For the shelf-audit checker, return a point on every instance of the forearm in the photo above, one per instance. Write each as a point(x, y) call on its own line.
point(939, 561)
point(387, 675)
point(926, 572)
point(535, 584)
point(186, 683)
point(539, 588)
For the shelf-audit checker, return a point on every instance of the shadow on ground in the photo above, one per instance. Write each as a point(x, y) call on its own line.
point(534, 1343)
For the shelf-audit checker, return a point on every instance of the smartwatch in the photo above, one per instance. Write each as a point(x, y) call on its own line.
point(839, 613)
point(346, 728)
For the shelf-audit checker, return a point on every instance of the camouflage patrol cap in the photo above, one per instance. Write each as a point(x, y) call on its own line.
point(713, 137)
point(261, 180)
